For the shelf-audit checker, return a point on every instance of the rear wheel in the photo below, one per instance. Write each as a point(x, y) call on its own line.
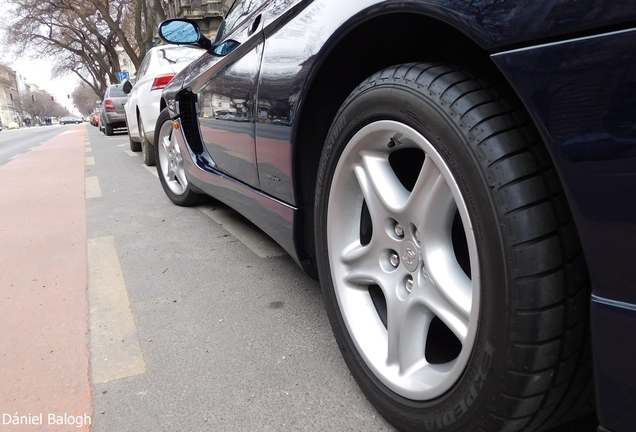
point(450, 267)
point(108, 129)
point(147, 149)
point(170, 164)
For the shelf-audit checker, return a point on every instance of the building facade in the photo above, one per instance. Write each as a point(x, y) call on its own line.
point(207, 13)
point(10, 107)
point(125, 63)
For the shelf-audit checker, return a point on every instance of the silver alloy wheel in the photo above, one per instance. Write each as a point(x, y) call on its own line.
point(410, 256)
point(171, 161)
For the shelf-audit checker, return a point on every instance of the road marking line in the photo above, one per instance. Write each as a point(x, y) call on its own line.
point(90, 160)
point(153, 170)
point(130, 153)
point(261, 244)
point(16, 156)
point(31, 148)
point(88, 149)
point(92, 187)
point(114, 342)
point(121, 145)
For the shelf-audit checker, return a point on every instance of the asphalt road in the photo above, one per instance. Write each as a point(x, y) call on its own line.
point(16, 142)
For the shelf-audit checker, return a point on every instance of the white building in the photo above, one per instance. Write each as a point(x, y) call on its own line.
point(10, 108)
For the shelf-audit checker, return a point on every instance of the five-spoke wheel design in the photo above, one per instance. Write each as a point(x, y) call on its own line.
point(171, 160)
point(403, 259)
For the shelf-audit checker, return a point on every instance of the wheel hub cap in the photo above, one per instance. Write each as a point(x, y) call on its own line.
point(410, 256)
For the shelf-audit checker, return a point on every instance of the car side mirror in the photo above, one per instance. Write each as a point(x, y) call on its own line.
point(182, 31)
point(127, 86)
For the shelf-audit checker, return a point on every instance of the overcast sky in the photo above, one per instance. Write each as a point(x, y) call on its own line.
point(38, 72)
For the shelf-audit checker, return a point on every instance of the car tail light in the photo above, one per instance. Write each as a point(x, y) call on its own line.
point(109, 105)
point(161, 81)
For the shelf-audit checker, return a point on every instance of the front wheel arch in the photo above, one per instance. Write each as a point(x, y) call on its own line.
point(366, 46)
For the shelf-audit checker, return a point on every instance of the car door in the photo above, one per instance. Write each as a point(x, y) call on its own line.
point(278, 95)
point(227, 97)
point(139, 86)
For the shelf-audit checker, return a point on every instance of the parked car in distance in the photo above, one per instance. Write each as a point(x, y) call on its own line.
point(12, 125)
point(158, 67)
point(112, 114)
point(94, 118)
point(69, 120)
point(458, 175)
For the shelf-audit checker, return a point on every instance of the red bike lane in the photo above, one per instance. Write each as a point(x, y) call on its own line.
point(44, 355)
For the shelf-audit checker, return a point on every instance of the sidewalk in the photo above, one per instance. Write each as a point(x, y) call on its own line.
point(44, 357)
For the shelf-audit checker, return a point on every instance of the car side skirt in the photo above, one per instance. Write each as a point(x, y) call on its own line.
point(276, 218)
point(615, 375)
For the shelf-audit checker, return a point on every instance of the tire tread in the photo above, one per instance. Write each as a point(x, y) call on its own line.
point(525, 167)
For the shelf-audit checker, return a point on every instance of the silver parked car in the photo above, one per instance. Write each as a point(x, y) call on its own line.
point(112, 114)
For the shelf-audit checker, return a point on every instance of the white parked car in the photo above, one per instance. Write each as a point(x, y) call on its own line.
point(159, 66)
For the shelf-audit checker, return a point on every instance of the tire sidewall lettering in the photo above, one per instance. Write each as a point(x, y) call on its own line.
point(474, 389)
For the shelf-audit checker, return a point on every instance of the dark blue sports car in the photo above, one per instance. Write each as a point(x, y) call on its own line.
point(459, 174)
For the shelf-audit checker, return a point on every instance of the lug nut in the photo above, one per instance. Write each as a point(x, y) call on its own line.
point(409, 284)
point(399, 230)
point(395, 259)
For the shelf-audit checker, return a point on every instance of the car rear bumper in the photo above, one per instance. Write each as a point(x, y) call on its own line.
point(112, 118)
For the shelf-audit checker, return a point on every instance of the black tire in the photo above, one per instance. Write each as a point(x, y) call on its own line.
point(176, 186)
point(134, 145)
point(528, 365)
point(147, 150)
point(108, 129)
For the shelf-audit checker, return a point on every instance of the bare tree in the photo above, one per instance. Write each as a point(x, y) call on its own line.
point(84, 99)
point(38, 105)
point(84, 37)
point(147, 16)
